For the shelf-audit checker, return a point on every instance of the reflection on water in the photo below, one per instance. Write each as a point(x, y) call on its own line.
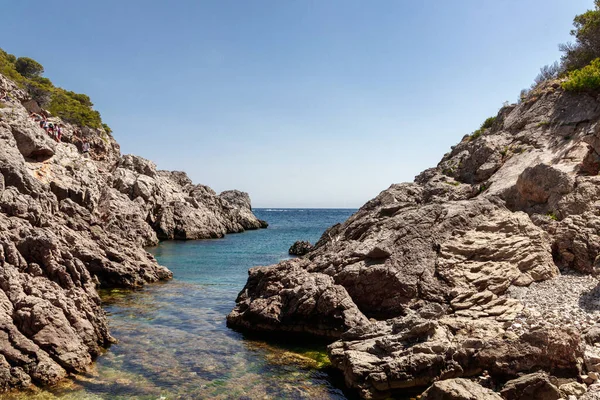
point(173, 342)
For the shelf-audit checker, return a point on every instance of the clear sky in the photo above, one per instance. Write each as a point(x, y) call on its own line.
point(320, 103)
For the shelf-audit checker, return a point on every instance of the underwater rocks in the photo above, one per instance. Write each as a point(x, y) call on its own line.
point(300, 248)
point(70, 223)
point(460, 272)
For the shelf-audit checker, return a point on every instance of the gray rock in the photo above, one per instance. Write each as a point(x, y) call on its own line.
point(300, 248)
point(458, 389)
point(70, 224)
point(530, 387)
point(458, 272)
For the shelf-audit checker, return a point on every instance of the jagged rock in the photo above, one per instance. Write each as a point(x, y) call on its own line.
point(447, 269)
point(294, 301)
point(542, 182)
point(70, 224)
point(300, 248)
point(572, 389)
point(593, 393)
point(237, 198)
point(459, 389)
point(530, 387)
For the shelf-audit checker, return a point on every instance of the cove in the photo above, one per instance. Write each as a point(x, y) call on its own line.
point(172, 338)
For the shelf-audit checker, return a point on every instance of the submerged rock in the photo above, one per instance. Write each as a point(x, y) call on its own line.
point(300, 248)
point(458, 272)
point(69, 224)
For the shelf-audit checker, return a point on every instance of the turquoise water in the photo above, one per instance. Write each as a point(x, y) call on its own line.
point(173, 342)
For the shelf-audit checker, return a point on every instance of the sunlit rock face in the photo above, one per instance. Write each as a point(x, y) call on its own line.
point(70, 222)
point(459, 271)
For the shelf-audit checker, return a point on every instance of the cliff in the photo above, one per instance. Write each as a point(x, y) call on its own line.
point(483, 263)
point(72, 222)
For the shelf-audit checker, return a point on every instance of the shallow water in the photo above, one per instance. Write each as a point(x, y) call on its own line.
point(173, 342)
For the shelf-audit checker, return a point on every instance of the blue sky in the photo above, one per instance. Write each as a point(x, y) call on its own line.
point(318, 103)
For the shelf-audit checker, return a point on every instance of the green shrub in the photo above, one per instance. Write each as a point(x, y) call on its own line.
point(75, 108)
point(107, 128)
point(7, 66)
point(586, 78)
point(587, 40)
point(488, 123)
point(72, 110)
point(28, 67)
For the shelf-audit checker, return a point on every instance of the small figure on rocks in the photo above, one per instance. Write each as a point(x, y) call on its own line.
point(58, 132)
point(85, 148)
point(300, 248)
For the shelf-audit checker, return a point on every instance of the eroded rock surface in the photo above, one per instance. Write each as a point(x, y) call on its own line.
point(459, 389)
point(463, 270)
point(69, 224)
point(300, 248)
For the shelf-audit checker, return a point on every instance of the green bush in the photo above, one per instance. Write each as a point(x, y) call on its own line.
point(75, 108)
point(7, 67)
point(107, 128)
point(28, 67)
point(72, 110)
point(587, 40)
point(586, 78)
point(488, 123)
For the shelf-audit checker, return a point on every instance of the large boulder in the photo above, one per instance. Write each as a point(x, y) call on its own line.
point(459, 389)
point(300, 248)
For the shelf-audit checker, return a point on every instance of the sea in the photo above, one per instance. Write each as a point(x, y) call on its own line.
point(172, 339)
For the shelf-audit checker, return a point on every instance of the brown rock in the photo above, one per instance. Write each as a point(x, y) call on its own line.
point(458, 389)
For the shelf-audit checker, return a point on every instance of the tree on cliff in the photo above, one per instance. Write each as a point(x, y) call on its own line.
point(587, 40)
point(28, 67)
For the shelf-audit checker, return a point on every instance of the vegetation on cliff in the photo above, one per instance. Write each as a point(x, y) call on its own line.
point(72, 107)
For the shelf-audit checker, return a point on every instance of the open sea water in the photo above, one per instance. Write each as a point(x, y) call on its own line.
point(173, 342)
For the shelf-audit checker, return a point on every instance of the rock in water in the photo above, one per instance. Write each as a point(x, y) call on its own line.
point(300, 248)
point(438, 279)
point(68, 224)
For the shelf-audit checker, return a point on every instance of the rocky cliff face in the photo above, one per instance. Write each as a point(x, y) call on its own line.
point(482, 264)
point(70, 223)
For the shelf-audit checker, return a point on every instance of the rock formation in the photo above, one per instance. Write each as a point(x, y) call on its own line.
point(482, 263)
point(300, 248)
point(70, 223)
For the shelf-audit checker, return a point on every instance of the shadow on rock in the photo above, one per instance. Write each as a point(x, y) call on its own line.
point(590, 301)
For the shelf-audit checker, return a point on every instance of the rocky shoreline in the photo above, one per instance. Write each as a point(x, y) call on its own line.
point(482, 268)
point(72, 222)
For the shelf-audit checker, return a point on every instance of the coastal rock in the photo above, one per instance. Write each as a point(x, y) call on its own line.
point(459, 389)
point(482, 264)
point(300, 248)
point(70, 224)
point(532, 386)
point(294, 300)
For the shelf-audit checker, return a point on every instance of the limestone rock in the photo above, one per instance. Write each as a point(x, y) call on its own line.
point(70, 224)
point(530, 387)
point(300, 248)
point(572, 389)
point(459, 389)
point(294, 300)
point(482, 263)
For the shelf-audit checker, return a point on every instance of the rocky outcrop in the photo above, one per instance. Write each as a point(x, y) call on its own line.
point(464, 270)
point(70, 224)
point(458, 389)
point(300, 248)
